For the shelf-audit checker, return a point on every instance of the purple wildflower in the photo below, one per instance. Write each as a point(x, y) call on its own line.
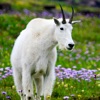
point(83, 74)
point(20, 91)
point(1, 69)
point(65, 98)
point(72, 95)
point(8, 97)
point(26, 11)
point(7, 68)
point(4, 93)
point(4, 76)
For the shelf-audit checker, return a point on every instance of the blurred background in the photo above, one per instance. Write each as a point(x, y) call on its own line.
point(82, 81)
point(84, 7)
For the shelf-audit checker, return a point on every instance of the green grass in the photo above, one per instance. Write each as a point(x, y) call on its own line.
point(85, 55)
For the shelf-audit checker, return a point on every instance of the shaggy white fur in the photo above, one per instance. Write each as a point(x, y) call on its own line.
point(34, 56)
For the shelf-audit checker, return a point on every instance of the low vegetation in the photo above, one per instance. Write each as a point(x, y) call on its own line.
point(77, 71)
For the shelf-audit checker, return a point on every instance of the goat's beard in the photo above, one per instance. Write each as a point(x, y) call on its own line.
point(62, 47)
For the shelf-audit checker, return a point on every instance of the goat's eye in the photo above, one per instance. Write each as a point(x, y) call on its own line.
point(61, 28)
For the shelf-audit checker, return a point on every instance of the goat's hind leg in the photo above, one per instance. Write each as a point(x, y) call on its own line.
point(18, 82)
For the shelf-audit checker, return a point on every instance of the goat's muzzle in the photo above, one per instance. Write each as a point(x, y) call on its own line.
point(71, 46)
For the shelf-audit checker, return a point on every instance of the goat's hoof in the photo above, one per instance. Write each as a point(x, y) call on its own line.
point(29, 98)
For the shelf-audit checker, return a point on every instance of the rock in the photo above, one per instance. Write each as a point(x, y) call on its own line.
point(5, 7)
point(49, 7)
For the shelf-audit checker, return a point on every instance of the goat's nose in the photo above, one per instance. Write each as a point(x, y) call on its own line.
point(71, 45)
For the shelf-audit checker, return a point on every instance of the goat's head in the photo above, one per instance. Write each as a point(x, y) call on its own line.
point(63, 31)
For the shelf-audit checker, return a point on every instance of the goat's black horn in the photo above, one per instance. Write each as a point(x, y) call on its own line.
point(70, 21)
point(64, 19)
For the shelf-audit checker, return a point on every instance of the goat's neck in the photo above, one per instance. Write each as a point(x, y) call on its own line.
point(49, 40)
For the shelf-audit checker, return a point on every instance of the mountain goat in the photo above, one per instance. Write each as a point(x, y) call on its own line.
point(34, 55)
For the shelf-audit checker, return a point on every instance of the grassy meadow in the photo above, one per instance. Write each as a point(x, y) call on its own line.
point(77, 71)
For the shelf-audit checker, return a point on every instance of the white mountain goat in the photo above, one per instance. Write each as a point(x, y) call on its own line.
point(34, 55)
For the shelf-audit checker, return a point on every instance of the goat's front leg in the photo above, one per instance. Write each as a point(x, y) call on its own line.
point(27, 85)
point(39, 87)
point(48, 84)
point(18, 82)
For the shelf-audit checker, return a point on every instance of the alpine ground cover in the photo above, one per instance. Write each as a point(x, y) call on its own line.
point(77, 71)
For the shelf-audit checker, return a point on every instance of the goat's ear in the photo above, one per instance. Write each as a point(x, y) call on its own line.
point(77, 21)
point(56, 21)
